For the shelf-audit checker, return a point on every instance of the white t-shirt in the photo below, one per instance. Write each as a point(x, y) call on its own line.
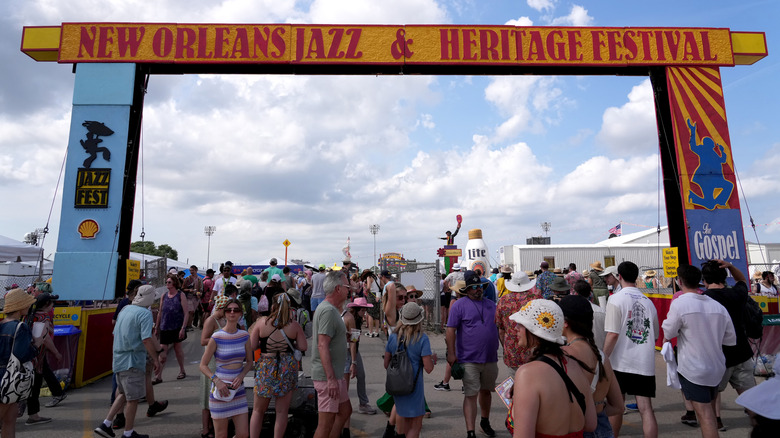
point(633, 317)
point(701, 326)
point(220, 283)
point(599, 315)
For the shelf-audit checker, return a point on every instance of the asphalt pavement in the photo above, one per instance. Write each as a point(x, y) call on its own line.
point(85, 408)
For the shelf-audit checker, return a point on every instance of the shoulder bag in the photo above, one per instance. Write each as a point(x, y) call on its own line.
point(17, 381)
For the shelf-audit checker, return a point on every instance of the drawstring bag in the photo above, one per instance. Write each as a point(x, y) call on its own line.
point(17, 381)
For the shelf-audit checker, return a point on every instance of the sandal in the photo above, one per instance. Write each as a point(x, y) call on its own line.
point(181, 376)
point(156, 381)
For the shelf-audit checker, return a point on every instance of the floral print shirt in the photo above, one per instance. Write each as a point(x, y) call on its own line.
point(543, 282)
point(512, 302)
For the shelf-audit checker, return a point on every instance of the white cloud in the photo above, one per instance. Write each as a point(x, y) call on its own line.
point(522, 21)
point(631, 128)
point(578, 16)
point(529, 102)
point(541, 5)
point(378, 12)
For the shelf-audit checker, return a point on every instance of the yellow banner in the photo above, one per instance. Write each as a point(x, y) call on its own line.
point(671, 262)
point(392, 44)
point(133, 271)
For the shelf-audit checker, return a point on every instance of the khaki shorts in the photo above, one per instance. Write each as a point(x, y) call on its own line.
point(132, 383)
point(479, 377)
point(740, 376)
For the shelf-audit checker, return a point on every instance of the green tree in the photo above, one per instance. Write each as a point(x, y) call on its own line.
point(145, 247)
point(148, 247)
point(165, 250)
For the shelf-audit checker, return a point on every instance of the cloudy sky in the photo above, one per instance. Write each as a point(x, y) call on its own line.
point(319, 159)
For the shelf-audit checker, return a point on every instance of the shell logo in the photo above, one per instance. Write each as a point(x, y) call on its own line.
point(88, 228)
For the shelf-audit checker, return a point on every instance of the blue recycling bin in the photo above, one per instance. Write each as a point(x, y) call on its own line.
point(66, 339)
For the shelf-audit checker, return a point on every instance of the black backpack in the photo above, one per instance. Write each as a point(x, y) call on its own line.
point(401, 379)
point(753, 319)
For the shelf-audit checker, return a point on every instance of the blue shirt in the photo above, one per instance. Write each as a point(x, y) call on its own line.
point(133, 325)
point(489, 291)
point(412, 405)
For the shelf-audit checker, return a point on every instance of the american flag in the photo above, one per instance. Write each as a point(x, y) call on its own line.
point(616, 230)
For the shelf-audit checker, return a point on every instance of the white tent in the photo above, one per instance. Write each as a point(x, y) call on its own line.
point(14, 251)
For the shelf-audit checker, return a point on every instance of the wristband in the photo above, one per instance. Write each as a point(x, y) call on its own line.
point(213, 376)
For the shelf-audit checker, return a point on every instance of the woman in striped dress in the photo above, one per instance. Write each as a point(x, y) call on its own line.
point(233, 357)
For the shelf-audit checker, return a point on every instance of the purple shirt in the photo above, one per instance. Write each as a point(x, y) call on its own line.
point(476, 339)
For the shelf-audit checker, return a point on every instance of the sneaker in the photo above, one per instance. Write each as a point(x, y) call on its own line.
point(56, 400)
point(156, 408)
point(367, 409)
point(39, 420)
point(721, 427)
point(441, 386)
point(484, 424)
point(104, 431)
point(631, 407)
point(137, 435)
point(119, 421)
point(689, 419)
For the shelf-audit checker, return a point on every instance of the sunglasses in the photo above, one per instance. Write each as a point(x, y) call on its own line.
point(475, 286)
point(411, 297)
point(232, 310)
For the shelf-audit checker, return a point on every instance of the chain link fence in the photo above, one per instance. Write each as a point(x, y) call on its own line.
point(425, 276)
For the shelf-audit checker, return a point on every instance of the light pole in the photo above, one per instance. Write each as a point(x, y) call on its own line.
point(374, 229)
point(209, 230)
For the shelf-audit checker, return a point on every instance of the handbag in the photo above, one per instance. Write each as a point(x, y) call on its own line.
point(17, 381)
point(297, 354)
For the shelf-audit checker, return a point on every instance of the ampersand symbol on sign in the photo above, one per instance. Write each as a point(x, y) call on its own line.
point(400, 46)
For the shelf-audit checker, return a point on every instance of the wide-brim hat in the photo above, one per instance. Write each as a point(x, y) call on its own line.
point(610, 270)
point(506, 269)
point(764, 398)
point(560, 284)
point(295, 294)
point(459, 287)
point(472, 278)
point(519, 283)
point(17, 299)
point(530, 274)
point(145, 296)
point(360, 302)
point(557, 271)
point(596, 266)
point(543, 318)
point(410, 288)
point(411, 314)
point(456, 267)
point(44, 299)
point(650, 274)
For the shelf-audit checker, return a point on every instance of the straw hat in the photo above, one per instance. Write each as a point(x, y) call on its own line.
point(459, 286)
point(506, 269)
point(411, 314)
point(410, 288)
point(543, 318)
point(17, 299)
point(650, 274)
point(596, 266)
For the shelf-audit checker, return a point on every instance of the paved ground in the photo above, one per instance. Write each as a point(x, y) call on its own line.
point(86, 407)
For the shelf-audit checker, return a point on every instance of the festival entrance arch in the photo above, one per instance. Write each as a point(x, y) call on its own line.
point(113, 62)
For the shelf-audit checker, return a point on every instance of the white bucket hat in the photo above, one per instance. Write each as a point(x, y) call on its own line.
point(519, 282)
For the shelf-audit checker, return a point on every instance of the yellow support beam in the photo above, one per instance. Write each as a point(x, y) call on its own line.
point(748, 47)
point(41, 43)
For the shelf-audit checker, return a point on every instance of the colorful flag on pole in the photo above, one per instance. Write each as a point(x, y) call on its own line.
point(616, 230)
point(345, 250)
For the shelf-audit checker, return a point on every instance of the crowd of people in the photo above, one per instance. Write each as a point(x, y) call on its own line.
point(577, 345)
point(575, 353)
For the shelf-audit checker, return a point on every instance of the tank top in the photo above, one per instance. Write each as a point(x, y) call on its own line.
point(173, 315)
point(231, 348)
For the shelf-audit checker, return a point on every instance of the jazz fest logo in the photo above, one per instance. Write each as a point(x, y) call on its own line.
point(92, 184)
point(715, 188)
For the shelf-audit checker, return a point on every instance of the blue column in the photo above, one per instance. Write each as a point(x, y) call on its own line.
point(85, 265)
